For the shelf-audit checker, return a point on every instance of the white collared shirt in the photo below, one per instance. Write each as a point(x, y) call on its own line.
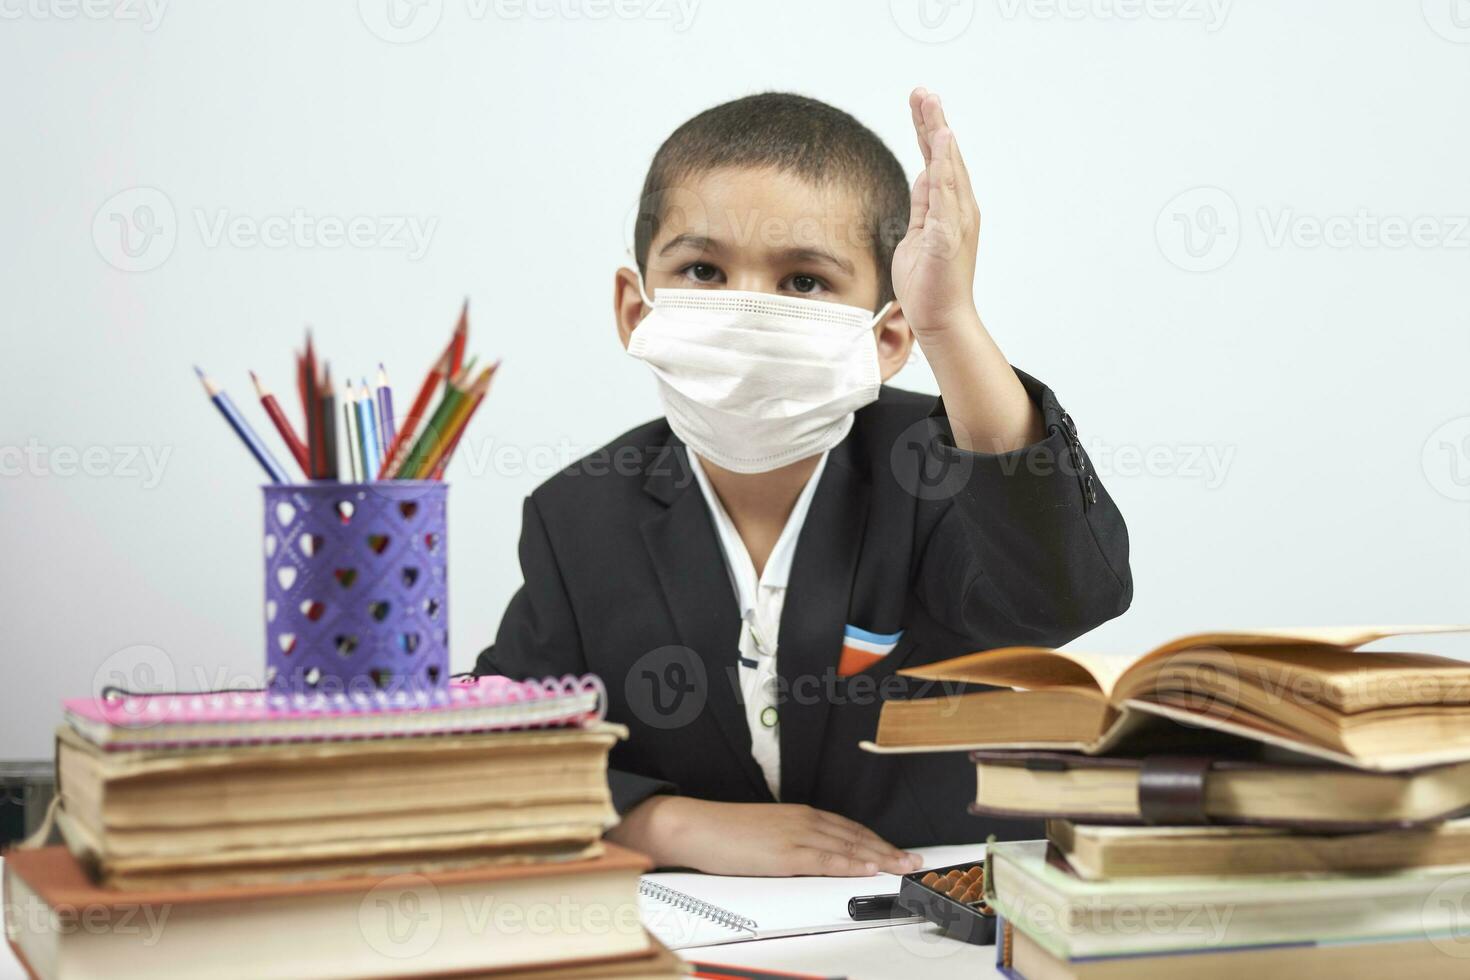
point(760, 601)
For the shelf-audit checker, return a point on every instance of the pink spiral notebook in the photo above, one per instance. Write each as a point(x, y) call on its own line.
point(136, 721)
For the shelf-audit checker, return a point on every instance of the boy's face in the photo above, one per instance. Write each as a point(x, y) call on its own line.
point(765, 231)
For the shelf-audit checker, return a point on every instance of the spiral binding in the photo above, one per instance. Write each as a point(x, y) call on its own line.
point(685, 902)
point(166, 703)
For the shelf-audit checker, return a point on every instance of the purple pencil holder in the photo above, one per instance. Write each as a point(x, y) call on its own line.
point(356, 587)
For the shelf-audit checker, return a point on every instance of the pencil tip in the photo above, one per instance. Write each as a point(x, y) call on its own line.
point(199, 371)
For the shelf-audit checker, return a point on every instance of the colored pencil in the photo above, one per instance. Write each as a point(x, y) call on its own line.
point(437, 425)
point(348, 412)
point(477, 395)
point(367, 431)
point(314, 433)
point(242, 429)
point(446, 367)
point(403, 439)
point(282, 424)
point(460, 337)
point(330, 466)
point(385, 410)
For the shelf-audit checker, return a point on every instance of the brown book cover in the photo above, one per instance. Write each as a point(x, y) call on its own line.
point(330, 927)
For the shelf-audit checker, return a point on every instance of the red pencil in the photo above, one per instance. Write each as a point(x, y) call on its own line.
point(482, 388)
point(459, 339)
point(314, 433)
point(283, 425)
point(403, 439)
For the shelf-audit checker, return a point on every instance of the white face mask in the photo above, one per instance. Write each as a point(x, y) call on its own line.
point(754, 381)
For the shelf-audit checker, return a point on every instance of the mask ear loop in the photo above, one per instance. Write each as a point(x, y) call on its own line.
point(914, 355)
point(632, 267)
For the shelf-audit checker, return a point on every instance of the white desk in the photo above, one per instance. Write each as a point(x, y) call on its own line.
point(916, 951)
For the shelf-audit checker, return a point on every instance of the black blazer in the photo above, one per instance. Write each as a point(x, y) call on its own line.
point(960, 551)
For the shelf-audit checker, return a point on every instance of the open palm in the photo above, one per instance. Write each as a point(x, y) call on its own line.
point(934, 264)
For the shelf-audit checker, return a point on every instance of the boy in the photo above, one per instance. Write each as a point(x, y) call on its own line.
point(748, 574)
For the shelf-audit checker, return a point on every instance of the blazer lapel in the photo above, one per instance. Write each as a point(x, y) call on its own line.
point(814, 614)
point(686, 555)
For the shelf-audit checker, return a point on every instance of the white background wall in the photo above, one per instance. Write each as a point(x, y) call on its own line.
point(1327, 382)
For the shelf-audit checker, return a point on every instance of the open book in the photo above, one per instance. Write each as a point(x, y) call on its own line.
point(1309, 690)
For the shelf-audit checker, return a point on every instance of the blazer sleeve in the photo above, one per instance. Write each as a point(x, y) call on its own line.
point(538, 637)
point(1025, 545)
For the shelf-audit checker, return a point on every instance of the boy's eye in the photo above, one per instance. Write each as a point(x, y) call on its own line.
point(804, 284)
point(703, 272)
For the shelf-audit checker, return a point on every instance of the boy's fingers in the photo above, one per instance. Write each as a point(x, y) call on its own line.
point(921, 129)
point(854, 829)
point(965, 188)
point(816, 861)
point(943, 192)
point(919, 202)
point(886, 859)
point(934, 119)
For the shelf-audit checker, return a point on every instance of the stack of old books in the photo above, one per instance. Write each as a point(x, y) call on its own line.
point(1271, 803)
point(239, 834)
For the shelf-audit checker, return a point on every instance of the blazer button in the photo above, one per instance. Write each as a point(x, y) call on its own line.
point(1090, 488)
point(768, 716)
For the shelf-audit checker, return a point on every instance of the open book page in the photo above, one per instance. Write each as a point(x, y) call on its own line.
point(1032, 668)
point(1035, 668)
point(771, 907)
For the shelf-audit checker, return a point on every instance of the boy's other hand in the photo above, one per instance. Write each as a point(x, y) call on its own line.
point(764, 839)
point(934, 265)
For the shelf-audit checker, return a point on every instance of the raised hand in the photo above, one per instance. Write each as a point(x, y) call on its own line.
point(934, 265)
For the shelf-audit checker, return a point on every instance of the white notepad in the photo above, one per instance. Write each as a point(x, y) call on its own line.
point(686, 909)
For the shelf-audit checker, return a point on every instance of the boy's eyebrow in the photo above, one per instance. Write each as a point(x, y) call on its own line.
point(704, 243)
point(817, 255)
point(689, 240)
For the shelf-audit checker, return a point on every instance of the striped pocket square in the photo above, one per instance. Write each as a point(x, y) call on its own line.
point(862, 649)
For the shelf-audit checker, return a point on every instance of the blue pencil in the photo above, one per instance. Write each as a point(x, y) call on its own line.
point(385, 411)
point(242, 429)
point(367, 432)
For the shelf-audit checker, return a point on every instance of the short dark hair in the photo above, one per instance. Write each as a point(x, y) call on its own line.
point(793, 133)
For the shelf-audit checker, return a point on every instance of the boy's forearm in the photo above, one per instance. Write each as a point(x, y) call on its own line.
point(989, 411)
